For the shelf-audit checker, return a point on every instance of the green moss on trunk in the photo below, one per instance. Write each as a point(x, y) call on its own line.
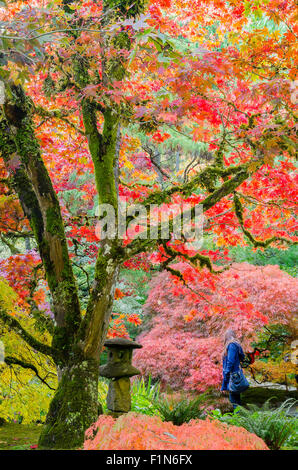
point(40, 204)
point(74, 407)
point(95, 324)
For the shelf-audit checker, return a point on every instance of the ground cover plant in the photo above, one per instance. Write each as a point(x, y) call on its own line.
point(141, 432)
point(19, 437)
point(275, 426)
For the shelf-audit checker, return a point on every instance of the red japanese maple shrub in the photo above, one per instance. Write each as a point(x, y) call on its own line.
point(133, 431)
point(182, 342)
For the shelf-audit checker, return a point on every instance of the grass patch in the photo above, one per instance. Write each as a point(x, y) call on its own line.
point(19, 436)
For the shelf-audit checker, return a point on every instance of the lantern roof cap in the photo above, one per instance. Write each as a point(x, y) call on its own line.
point(118, 370)
point(122, 343)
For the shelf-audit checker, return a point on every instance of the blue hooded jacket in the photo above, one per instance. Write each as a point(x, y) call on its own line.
point(231, 363)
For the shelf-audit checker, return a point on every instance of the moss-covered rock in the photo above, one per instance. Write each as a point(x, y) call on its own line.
point(259, 395)
point(254, 395)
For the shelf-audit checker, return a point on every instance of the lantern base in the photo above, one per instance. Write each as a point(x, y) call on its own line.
point(119, 398)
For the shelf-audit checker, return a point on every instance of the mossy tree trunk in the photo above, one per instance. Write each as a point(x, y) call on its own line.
point(74, 406)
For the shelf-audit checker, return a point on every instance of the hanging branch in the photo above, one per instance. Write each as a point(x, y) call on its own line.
point(178, 274)
point(26, 336)
point(55, 114)
point(10, 360)
point(257, 243)
point(204, 261)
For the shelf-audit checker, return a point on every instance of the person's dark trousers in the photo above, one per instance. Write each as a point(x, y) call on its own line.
point(235, 399)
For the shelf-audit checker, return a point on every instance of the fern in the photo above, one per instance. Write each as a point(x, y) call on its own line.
point(180, 411)
point(275, 426)
point(142, 395)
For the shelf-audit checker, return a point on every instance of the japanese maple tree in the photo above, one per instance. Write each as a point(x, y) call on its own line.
point(184, 325)
point(77, 77)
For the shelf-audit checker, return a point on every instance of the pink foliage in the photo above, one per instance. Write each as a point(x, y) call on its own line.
point(133, 431)
point(182, 343)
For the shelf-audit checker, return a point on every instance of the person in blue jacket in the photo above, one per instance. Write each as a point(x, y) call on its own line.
point(232, 355)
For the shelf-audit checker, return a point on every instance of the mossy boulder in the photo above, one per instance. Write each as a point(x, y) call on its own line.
point(259, 395)
point(254, 395)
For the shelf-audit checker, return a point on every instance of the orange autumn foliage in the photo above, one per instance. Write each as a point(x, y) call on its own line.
point(118, 294)
point(133, 431)
point(277, 371)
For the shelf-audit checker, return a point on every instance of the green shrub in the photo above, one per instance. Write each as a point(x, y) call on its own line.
point(181, 410)
point(275, 426)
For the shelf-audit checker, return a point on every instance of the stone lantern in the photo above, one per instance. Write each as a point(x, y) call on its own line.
point(119, 369)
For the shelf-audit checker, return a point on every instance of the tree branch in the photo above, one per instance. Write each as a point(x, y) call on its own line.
point(19, 330)
point(211, 172)
point(228, 187)
point(257, 243)
point(204, 261)
point(56, 114)
point(10, 360)
point(179, 275)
